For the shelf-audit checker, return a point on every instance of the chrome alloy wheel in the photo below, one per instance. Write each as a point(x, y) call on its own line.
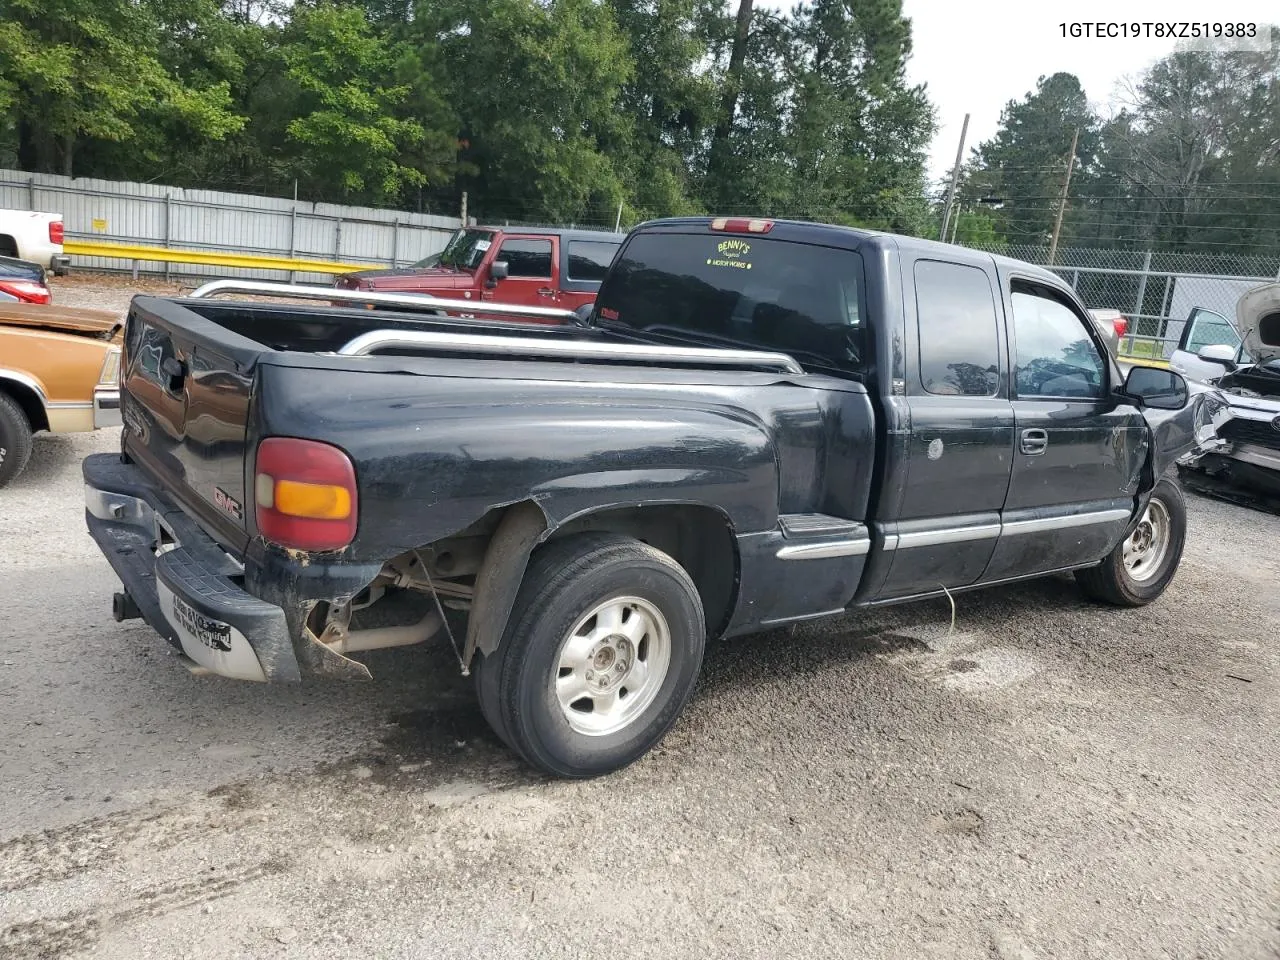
point(612, 665)
point(1146, 547)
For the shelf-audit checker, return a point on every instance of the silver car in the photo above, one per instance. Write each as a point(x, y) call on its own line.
point(1112, 324)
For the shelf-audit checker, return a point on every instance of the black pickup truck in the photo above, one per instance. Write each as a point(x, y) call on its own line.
point(762, 422)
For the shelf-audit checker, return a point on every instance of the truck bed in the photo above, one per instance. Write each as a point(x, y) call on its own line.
point(430, 425)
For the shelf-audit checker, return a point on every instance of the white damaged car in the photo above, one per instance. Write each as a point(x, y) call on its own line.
point(1246, 452)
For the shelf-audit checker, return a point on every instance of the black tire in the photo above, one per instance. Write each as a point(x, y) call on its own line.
point(1111, 582)
point(486, 675)
point(15, 439)
point(567, 580)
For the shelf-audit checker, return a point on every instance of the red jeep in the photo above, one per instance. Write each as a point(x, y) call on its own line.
point(535, 266)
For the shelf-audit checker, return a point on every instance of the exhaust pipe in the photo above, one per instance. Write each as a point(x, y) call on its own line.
point(379, 638)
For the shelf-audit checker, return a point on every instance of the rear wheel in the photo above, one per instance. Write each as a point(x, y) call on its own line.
point(1141, 567)
point(600, 656)
point(15, 439)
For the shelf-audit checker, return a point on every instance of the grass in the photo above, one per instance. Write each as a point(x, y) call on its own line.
point(1148, 352)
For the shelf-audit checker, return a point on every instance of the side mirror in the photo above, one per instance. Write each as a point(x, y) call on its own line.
point(1157, 388)
point(500, 270)
point(1218, 353)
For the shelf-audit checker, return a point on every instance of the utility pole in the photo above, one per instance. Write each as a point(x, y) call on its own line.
point(1062, 200)
point(955, 177)
point(617, 224)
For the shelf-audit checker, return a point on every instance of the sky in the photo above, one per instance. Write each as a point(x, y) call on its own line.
point(977, 55)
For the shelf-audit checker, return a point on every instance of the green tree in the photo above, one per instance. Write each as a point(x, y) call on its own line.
point(537, 86)
point(349, 125)
point(1196, 151)
point(1025, 162)
point(79, 71)
point(751, 174)
point(670, 97)
point(824, 124)
point(859, 132)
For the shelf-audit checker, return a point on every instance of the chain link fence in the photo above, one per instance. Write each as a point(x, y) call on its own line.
point(1155, 290)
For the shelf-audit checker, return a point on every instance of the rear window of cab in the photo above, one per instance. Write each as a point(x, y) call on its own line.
point(728, 289)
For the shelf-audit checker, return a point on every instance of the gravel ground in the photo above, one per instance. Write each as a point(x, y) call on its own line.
point(1051, 779)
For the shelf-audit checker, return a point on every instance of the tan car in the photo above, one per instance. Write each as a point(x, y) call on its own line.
point(59, 371)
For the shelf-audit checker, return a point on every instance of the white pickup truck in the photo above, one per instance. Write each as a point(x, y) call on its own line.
point(33, 236)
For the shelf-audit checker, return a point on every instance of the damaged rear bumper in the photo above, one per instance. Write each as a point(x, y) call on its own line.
point(181, 582)
point(193, 593)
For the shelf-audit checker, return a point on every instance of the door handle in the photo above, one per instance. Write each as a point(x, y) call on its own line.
point(546, 292)
point(1034, 441)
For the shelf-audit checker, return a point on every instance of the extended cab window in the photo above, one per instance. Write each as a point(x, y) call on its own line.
point(1056, 357)
point(727, 289)
point(959, 345)
point(527, 258)
point(590, 259)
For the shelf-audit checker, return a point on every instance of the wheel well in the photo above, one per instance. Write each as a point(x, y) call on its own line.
point(698, 538)
point(29, 401)
point(8, 246)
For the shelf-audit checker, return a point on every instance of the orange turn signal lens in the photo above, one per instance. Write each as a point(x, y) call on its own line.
point(318, 501)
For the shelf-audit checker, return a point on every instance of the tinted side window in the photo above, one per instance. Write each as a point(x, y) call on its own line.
point(1056, 356)
point(1209, 329)
point(959, 346)
point(527, 258)
point(590, 259)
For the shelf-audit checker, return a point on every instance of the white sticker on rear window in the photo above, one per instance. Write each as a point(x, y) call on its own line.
point(483, 245)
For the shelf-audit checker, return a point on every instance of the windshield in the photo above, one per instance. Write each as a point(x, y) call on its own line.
point(425, 262)
point(733, 290)
point(466, 249)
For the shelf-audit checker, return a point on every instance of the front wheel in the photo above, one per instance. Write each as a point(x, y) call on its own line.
point(1141, 567)
point(601, 654)
point(15, 439)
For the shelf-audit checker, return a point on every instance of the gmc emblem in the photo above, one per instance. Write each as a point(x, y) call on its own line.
point(226, 503)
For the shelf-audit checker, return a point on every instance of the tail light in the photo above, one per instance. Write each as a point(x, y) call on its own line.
point(109, 376)
point(741, 225)
point(305, 494)
point(1121, 325)
point(55, 231)
point(28, 291)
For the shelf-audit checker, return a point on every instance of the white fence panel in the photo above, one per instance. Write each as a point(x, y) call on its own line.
point(158, 215)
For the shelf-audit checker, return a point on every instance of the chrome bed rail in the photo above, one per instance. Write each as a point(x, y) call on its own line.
point(413, 301)
point(561, 349)
point(555, 348)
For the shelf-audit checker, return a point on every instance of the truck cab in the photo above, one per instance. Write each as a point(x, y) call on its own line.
point(524, 266)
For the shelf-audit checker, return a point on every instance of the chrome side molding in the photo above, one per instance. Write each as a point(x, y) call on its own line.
point(933, 538)
point(1014, 527)
point(825, 551)
point(939, 536)
point(816, 536)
